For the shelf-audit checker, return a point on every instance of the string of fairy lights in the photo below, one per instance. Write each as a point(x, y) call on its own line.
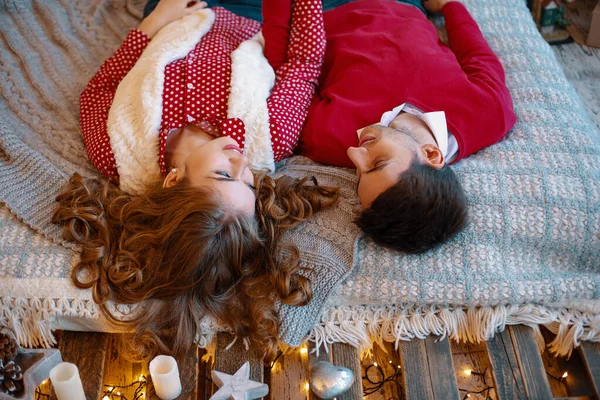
point(486, 389)
point(112, 392)
point(371, 386)
point(374, 379)
point(139, 386)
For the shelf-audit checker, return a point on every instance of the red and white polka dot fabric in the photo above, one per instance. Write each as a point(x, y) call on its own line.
point(96, 99)
point(197, 87)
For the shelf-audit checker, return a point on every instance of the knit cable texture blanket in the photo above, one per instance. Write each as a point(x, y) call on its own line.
point(49, 51)
point(531, 253)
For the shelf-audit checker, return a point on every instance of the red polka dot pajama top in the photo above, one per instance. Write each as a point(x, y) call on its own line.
point(197, 87)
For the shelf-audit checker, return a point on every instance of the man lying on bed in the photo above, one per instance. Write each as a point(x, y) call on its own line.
point(446, 103)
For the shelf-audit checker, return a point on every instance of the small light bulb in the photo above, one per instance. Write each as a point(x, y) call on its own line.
point(110, 389)
point(303, 351)
point(375, 364)
point(468, 372)
point(105, 398)
point(391, 362)
point(468, 394)
point(307, 386)
point(565, 375)
point(119, 394)
point(399, 367)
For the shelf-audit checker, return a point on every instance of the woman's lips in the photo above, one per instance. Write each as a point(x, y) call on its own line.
point(234, 147)
point(366, 138)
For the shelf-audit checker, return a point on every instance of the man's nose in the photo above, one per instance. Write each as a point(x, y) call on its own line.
point(359, 157)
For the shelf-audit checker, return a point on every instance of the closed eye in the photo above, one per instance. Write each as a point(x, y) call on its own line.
point(228, 178)
point(378, 167)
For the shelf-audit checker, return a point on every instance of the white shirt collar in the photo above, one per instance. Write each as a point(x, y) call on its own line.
point(436, 121)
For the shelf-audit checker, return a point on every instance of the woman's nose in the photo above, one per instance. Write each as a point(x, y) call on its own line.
point(240, 162)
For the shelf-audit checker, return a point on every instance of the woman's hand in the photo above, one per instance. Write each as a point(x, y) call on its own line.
point(435, 6)
point(168, 11)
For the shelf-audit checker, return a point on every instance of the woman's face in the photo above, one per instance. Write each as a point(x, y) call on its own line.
point(218, 164)
point(221, 165)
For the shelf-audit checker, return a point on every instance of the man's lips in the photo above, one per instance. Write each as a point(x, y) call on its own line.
point(366, 138)
point(234, 147)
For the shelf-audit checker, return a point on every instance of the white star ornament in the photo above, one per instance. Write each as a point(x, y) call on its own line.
point(238, 386)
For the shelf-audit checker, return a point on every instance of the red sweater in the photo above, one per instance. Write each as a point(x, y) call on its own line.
point(381, 54)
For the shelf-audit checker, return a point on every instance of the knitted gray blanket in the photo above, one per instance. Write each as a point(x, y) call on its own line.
point(530, 255)
point(49, 51)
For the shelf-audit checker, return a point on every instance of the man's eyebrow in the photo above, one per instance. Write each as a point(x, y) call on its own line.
point(224, 179)
point(378, 168)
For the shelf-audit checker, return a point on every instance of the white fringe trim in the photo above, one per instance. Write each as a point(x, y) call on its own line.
point(362, 326)
point(33, 319)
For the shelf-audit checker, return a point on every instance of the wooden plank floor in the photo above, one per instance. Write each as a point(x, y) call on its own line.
point(507, 367)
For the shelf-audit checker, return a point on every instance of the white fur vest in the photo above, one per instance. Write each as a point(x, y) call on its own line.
point(135, 115)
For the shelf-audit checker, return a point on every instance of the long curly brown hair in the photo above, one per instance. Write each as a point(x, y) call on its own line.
point(186, 255)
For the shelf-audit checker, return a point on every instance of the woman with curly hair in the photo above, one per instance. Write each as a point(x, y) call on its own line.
point(176, 120)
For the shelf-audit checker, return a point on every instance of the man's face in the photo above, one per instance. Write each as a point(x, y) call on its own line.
point(382, 156)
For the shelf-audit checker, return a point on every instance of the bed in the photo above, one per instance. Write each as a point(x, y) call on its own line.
point(530, 255)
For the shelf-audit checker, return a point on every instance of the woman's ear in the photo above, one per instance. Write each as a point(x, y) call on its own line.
point(432, 156)
point(172, 178)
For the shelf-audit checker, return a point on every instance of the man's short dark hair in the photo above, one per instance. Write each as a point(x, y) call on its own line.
point(426, 207)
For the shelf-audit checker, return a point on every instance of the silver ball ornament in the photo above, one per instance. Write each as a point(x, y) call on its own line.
point(328, 381)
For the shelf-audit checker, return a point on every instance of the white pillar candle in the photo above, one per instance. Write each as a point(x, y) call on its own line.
point(165, 377)
point(66, 382)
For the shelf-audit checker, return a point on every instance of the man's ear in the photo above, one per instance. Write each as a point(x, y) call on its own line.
point(172, 178)
point(432, 156)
